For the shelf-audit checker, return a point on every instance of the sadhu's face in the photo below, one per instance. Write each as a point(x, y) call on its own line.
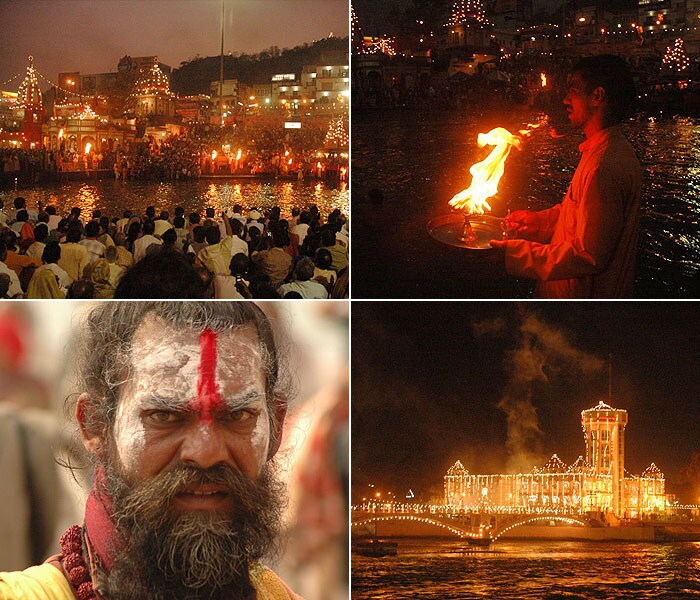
point(193, 398)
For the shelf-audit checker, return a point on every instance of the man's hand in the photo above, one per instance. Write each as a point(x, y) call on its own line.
point(522, 223)
point(498, 244)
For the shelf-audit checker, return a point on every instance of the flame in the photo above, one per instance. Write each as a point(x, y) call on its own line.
point(543, 79)
point(213, 154)
point(487, 174)
point(87, 148)
point(238, 156)
point(60, 133)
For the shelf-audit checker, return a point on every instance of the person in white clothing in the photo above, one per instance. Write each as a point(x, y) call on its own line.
point(142, 244)
point(227, 286)
point(96, 249)
point(51, 256)
point(302, 228)
point(15, 288)
point(41, 232)
point(303, 284)
point(238, 214)
point(54, 219)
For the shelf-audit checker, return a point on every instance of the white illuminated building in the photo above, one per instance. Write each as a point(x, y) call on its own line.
point(596, 483)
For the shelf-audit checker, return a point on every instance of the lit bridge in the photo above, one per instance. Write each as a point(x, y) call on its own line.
point(459, 524)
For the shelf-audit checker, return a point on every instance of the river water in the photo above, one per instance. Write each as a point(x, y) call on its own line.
point(450, 570)
point(419, 160)
point(112, 197)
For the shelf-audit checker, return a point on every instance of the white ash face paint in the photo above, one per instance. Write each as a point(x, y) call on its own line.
point(165, 372)
point(129, 433)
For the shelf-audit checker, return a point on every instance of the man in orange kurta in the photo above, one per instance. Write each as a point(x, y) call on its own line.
point(585, 247)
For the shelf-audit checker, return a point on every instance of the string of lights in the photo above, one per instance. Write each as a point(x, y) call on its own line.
point(58, 87)
point(29, 93)
point(676, 58)
point(337, 136)
point(384, 45)
point(355, 32)
point(462, 533)
point(4, 83)
point(464, 11)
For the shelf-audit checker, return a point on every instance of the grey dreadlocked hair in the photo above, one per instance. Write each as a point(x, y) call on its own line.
point(103, 347)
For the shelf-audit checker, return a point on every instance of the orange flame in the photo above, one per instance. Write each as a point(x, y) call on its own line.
point(87, 148)
point(487, 174)
point(543, 79)
point(213, 154)
point(238, 155)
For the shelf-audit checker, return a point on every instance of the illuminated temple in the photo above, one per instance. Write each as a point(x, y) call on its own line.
point(598, 483)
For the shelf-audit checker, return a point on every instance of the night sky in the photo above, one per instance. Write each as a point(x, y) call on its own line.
point(434, 382)
point(91, 36)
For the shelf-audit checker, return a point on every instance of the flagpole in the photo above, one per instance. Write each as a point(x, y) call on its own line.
point(221, 68)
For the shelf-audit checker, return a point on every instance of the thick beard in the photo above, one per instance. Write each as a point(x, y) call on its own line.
point(191, 554)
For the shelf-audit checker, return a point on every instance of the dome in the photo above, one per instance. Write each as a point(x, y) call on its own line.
point(152, 81)
point(652, 472)
point(603, 406)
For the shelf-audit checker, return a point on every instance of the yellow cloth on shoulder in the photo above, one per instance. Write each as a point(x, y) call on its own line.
point(269, 586)
point(44, 582)
point(44, 285)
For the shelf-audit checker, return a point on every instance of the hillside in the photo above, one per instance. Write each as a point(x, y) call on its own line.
point(195, 76)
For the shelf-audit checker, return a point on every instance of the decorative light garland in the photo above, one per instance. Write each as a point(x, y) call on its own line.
point(4, 83)
point(337, 136)
point(676, 58)
point(383, 45)
point(356, 33)
point(464, 11)
point(463, 533)
point(29, 89)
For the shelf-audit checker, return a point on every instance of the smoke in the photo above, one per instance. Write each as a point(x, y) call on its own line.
point(493, 326)
point(689, 485)
point(542, 350)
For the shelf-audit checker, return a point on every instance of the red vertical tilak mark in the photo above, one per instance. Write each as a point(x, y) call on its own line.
point(208, 397)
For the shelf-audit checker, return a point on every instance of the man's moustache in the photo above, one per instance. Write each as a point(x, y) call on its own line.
point(155, 495)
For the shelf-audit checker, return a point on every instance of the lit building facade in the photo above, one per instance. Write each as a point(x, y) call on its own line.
point(596, 483)
point(151, 95)
point(75, 132)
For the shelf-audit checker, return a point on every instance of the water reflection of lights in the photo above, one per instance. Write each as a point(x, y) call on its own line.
point(318, 188)
point(288, 196)
point(238, 193)
point(87, 199)
point(113, 197)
